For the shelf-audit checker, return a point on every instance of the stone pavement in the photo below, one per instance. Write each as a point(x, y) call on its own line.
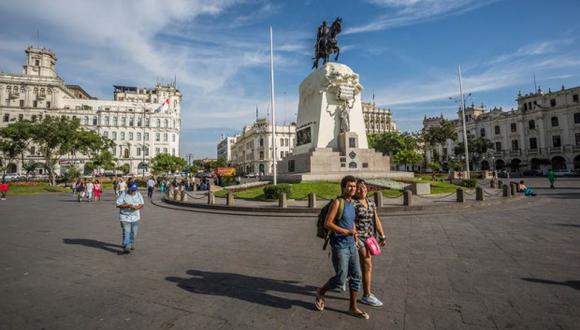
point(517, 267)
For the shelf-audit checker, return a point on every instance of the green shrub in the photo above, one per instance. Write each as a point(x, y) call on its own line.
point(469, 183)
point(274, 192)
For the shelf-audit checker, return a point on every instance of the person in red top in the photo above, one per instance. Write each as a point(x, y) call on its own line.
point(3, 190)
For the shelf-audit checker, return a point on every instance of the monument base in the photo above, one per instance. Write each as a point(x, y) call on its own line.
point(337, 176)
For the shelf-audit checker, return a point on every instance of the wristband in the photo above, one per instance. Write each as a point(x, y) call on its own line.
point(382, 238)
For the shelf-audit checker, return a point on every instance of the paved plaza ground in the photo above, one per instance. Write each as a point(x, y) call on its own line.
point(512, 267)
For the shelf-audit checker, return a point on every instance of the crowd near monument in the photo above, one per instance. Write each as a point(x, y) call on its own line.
point(331, 139)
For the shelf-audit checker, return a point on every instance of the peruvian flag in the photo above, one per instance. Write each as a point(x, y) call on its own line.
point(164, 106)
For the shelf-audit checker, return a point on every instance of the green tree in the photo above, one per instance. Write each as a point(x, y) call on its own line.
point(124, 169)
point(104, 160)
point(166, 163)
point(391, 143)
point(15, 139)
point(478, 147)
point(435, 166)
point(408, 157)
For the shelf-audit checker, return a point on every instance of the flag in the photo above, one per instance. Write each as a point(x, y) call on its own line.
point(163, 107)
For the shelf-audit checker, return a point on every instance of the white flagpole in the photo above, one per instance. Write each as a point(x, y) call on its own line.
point(467, 176)
point(273, 107)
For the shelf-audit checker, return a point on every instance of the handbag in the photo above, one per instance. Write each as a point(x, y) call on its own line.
point(372, 246)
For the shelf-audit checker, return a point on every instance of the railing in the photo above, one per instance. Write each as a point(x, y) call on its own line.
point(555, 150)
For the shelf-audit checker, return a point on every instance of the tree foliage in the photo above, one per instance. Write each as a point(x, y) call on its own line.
point(478, 147)
point(408, 157)
point(166, 163)
point(104, 160)
point(391, 143)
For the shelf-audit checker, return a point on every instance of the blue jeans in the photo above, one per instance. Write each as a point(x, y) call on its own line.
point(130, 230)
point(346, 264)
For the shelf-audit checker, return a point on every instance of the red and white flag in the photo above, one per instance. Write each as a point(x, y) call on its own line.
point(164, 106)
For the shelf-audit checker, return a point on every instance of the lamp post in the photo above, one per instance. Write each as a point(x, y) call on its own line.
point(467, 176)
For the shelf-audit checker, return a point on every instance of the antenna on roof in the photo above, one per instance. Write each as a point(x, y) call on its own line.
point(535, 85)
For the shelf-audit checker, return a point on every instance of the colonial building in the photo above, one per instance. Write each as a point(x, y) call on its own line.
point(252, 151)
point(543, 132)
point(224, 148)
point(377, 120)
point(142, 122)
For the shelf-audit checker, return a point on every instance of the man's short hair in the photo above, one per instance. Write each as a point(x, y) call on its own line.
point(346, 180)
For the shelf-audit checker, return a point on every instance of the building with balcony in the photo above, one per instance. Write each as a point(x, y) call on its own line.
point(377, 120)
point(543, 132)
point(142, 122)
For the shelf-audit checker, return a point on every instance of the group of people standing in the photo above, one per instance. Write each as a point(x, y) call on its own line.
point(352, 220)
point(87, 189)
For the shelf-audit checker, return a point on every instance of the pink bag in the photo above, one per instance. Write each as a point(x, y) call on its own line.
point(372, 246)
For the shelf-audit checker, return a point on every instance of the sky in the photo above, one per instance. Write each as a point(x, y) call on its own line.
point(405, 51)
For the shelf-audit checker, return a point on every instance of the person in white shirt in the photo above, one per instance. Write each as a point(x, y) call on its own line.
point(150, 187)
point(121, 187)
point(129, 204)
point(89, 190)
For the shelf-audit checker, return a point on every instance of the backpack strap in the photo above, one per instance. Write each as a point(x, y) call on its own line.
point(340, 208)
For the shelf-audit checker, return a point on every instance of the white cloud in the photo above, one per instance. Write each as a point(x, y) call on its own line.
point(408, 12)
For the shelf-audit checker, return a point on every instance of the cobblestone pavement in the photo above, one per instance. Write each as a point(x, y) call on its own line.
point(516, 267)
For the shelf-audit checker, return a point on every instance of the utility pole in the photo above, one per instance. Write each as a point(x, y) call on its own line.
point(467, 176)
point(273, 107)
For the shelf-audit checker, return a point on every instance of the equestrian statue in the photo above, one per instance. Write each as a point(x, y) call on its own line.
point(326, 43)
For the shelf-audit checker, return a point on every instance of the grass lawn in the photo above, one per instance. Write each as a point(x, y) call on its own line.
point(441, 187)
point(39, 188)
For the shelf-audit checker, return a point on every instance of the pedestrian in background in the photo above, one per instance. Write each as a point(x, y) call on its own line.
point(150, 187)
point(121, 187)
point(129, 204)
point(552, 178)
point(3, 190)
point(97, 190)
point(90, 189)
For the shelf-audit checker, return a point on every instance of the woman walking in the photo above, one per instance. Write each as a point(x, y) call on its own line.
point(368, 225)
point(97, 190)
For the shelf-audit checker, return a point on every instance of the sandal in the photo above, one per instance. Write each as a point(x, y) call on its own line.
point(319, 303)
point(360, 314)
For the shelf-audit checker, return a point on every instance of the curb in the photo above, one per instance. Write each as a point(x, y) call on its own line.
point(313, 212)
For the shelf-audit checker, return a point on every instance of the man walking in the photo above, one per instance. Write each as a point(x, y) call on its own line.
point(129, 204)
point(150, 187)
point(552, 178)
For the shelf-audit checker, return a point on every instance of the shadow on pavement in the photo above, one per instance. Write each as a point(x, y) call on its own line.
point(248, 288)
point(567, 225)
point(573, 284)
point(113, 248)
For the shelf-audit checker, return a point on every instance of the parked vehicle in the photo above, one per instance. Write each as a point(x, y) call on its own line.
point(533, 173)
point(564, 172)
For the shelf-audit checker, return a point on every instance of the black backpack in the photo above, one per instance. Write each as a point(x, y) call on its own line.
point(322, 232)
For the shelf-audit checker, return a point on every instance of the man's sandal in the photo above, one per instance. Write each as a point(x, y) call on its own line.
point(360, 314)
point(319, 303)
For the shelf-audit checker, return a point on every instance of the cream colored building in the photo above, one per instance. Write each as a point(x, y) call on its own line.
point(142, 122)
point(224, 147)
point(377, 120)
point(252, 151)
point(543, 132)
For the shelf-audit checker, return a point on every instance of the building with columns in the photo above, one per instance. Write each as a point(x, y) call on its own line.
point(377, 120)
point(542, 133)
point(142, 122)
point(252, 151)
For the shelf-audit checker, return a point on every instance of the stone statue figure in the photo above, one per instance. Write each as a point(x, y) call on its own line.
point(326, 43)
point(344, 120)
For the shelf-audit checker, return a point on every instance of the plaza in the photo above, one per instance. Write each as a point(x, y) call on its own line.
point(514, 266)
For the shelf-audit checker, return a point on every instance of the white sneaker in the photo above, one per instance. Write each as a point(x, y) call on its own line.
point(371, 300)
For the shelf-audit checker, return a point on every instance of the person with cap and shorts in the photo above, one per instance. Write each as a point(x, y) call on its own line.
point(129, 203)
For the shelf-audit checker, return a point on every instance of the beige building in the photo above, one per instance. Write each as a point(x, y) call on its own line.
point(377, 120)
point(252, 152)
point(142, 122)
point(543, 132)
point(224, 147)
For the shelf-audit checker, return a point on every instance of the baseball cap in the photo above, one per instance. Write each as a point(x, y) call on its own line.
point(133, 187)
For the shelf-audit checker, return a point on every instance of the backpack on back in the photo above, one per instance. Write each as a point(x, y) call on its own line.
point(320, 230)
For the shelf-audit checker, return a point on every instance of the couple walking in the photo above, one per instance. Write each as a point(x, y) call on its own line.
point(352, 220)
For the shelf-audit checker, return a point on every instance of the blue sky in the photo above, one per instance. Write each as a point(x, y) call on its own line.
point(406, 52)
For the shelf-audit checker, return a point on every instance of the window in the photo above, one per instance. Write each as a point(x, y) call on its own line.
point(165, 137)
point(515, 145)
point(138, 151)
point(20, 117)
point(157, 151)
point(173, 151)
point(106, 120)
point(32, 151)
point(555, 122)
point(173, 137)
point(106, 134)
point(130, 136)
point(556, 141)
point(6, 117)
point(95, 120)
point(281, 142)
point(86, 120)
point(261, 155)
point(533, 143)
point(575, 98)
point(145, 151)
point(578, 139)
point(22, 103)
point(147, 122)
point(157, 137)
point(139, 121)
point(498, 146)
point(114, 136)
point(552, 102)
point(281, 154)
point(513, 127)
point(122, 136)
point(577, 118)
point(164, 150)
point(131, 121)
point(33, 118)
point(126, 153)
point(138, 136)
point(532, 124)
point(146, 136)
point(496, 129)
point(48, 104)
point(166, 123)
point(482, 132)
point(261, 142)
point(352, 142)
point(114, 120)
point(158, 122)
point(123, 121)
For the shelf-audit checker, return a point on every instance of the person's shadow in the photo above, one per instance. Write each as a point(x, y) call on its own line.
point(113, 248)
point(248, 288)
point(572, 284)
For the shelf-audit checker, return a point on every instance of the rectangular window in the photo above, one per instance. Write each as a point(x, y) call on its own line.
point(497, 130)
point(578, 139)
point(139, 121)
point(122, 136)
point(553, 102)
point(575, 98)
point(131, 121)
point(130, 136)
point(22, 103)
point(533, 143)
point(498, 146)
point(138, 151)
point(123, 121)
point(20, 117)
point(482, 132)
point(6, 117)
point(577, 118)
point(157, 137)
point(351, 142)
point(35, 104)
point(173, 137)
point(164, 150)
point(556, 141)
point(138, 136)
point(513, 127)
point(106, 134)
point(555, 122)
point(532, 124)
point(114, 136)
point(157, 151)
point(48, 104)
point(515, 145)
point(146, 151)
point(165, 137)
point(146, 136)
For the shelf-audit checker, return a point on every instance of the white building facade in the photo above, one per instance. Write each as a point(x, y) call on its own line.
point(543, 132)
point(142, 122)
point(252, 152)
point(377, 120)
point(224, 147)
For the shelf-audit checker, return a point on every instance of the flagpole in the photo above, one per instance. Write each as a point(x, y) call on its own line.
point(467, 176)
point(273, 108)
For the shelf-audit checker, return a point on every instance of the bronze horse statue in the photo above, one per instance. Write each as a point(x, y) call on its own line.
point(326, 43)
